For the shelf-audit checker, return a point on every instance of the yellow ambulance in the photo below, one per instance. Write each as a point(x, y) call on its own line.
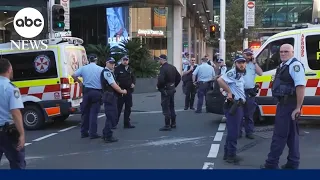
point(44, 79)
point(306, 44)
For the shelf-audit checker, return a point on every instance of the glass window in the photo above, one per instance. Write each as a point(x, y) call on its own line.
point(269, 58)
point(33, 65)
point(313, 51)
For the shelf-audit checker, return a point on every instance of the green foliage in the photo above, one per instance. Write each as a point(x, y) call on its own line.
point(141, 60)
point(234, 22)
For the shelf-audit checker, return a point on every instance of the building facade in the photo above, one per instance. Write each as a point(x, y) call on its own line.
point(161, 24)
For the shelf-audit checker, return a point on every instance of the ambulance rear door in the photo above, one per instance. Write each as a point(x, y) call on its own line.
point(75, 58)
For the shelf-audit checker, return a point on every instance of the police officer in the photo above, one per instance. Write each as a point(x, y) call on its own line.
point(252, 69)
point(91, 103)
point(233, 83)
point(288, 87)
point(190, 87)
point(168, 79)
point(12, 136)
point(202, 76)
point(110, 90)
point(126, 79)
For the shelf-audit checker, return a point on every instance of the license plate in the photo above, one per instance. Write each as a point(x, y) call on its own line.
point(76, 102)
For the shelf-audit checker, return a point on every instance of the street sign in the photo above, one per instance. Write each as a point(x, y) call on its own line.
point(250, 13)
point(66, 6)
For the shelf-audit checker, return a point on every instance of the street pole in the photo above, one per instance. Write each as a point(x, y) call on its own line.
point(222, 42)
point(51, 32)
point(245, 26)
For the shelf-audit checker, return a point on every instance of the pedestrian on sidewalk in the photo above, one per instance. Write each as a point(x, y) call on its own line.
point(12, 135)
point(91, 103)
point(110, 90)
point(168, 79)
point(201, 77)
point(126, 80)
point(233, 83)
point(189, 86)
point(252, 69)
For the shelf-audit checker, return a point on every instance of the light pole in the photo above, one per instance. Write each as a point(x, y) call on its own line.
point(245, 25)
point(222, 42)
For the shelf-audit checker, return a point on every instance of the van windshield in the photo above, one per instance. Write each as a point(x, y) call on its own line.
point(76, 58)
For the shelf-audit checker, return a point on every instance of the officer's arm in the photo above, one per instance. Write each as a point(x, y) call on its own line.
point(297, 73)
point(133, 77)
point(258, 69)
point(77, 74)
point(15, 104)
point(161, 78)
point(185, 70)
point(108, 76)
point(213, 73)
point(224, 80)
point(194, 74)
point(177, 78)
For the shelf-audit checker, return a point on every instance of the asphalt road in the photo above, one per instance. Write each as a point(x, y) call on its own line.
point(197, 143)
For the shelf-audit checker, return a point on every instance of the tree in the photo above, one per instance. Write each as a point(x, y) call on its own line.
point(234, 22)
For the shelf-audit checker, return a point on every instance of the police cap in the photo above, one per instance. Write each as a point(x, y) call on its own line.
point(239, 58)
point(111, 60)
point(247, 52)
point(92, 57)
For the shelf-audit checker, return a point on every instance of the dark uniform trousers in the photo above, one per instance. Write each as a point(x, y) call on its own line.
point(249, 109)
point(190, 94)
point(111, 112)
point(233, 124)
point(90, 107)
point(7, 147)
point(202, 91)
point(286, 132)
point(167, 104)
point(125, 100)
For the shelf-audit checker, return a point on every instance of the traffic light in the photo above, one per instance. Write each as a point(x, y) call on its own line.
point(57, 17)
point(213, 31)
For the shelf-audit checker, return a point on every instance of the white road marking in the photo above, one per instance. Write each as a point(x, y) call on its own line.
point(44, 137)
point(213, 153)
point(208, 165)
point(101, 116)
point(66, 129)
point(71, 115)
point(218, 136)
point(222, 127)
point(27, 144)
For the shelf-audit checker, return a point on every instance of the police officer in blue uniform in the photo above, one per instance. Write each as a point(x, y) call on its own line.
point(92, 94)
point(110, 92)
point(126, 79)
point(233, 83)
point(252, 69)
point(190, 88)
point(168, 79)
point(12, 136)
point(288, 88)
point(202, 76)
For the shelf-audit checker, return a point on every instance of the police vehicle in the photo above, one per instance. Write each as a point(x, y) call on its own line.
point(306, 42)
point(44, 79)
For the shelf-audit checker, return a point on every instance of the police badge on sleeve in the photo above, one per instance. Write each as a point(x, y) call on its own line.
point(296, 68)
point(16, 93)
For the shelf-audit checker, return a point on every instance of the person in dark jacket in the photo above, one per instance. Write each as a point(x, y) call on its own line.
point(168, 79)
point(191, 90)
point(126, 79)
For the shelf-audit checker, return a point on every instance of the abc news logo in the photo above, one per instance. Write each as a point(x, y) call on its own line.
point(28, 23)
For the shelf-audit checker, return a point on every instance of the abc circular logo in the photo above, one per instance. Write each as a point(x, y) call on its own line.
point(28, 22)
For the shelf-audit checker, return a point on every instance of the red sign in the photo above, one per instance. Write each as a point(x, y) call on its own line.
point(250, 4)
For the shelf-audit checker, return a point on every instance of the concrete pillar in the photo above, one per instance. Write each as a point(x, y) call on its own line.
point(316, 9)
point(195, 45)
point(189, 36)
point(175, 40)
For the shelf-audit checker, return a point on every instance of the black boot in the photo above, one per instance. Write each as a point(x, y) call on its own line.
point(167, 126)
point(173, 123)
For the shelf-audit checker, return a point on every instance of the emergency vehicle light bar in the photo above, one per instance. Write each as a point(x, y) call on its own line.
point(71, 40)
